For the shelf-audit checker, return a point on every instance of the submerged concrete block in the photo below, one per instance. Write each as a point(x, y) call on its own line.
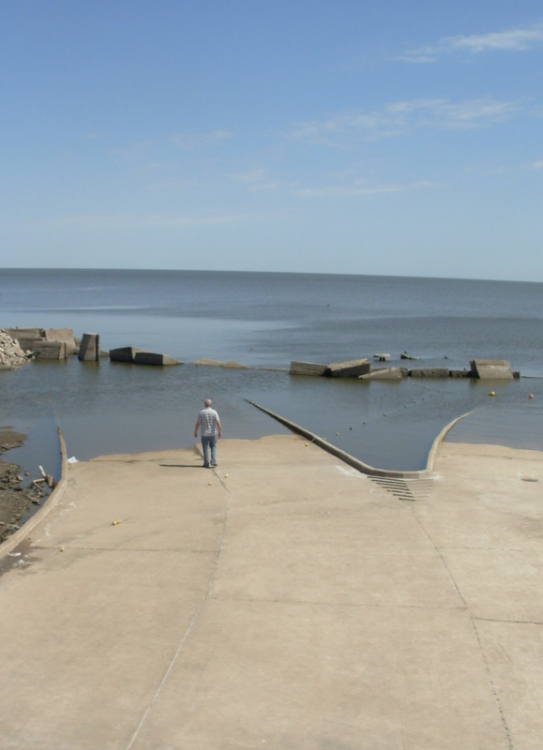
point(89, 351)
point(491, 369)
point(430, 372)
point(230, 364)
point(386, 373)
point(460, 373)
point(306, 368)
point(151, 358)
point(351, 369)
point(124, 354)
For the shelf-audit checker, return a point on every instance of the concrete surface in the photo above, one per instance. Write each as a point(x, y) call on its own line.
point(283, 600)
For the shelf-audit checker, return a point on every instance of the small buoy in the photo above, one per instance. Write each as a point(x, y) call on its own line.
point(531, 395)
point(226, 476)
point(492, 393)
point(62, 549)
point(337, 433)
point(209, 484)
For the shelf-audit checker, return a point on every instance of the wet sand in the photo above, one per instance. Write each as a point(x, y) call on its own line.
point(283, 600)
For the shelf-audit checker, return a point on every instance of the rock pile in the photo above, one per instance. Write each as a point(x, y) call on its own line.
point(11, 354)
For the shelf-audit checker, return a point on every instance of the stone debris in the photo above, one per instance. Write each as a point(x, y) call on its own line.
point(11, 353)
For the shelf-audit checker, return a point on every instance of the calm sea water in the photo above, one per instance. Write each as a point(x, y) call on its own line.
point(265, 321)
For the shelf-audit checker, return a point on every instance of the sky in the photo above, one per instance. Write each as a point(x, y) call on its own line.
point(378, 137)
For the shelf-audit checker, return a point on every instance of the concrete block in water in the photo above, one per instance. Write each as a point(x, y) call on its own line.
point(491, 369)
point(230, 364)
point(430, 372)
point(306, 368)
point(351, 369)
point(89, 351)
point(124, 354)
point(460, 373)
point(151, 358)
point(386, 373)
point(25, 333)
point(65, 335)
point(49, 349)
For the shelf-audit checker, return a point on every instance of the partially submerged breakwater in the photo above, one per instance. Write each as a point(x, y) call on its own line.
point(21, 345)
point(481, 369)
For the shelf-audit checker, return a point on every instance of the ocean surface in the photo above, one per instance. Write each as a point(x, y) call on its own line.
point(265, 320)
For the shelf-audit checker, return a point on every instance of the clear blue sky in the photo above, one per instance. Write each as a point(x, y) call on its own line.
point(349, 136)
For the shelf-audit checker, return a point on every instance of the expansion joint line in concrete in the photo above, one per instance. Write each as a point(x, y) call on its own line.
point(191, 624)
point(473, 621)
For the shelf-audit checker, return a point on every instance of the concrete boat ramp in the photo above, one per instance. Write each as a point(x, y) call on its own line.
point(283, 600)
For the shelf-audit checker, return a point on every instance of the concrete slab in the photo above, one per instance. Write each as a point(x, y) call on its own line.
point(491, 369)
point(386, 373)
point(350, 369)
point(89, 350)
point(155, 359)
point(281, 600)
point(306, 368)
point(429, 372)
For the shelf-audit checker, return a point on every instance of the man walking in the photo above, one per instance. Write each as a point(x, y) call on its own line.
point(209, 421)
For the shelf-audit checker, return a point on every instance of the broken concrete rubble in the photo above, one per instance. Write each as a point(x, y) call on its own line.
point(45, 343)
point(11, 353)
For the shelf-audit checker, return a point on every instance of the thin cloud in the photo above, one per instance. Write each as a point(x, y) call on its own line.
point(359, 189)
point(131, 221)
point(515, 40)
point(344, 129)
point(191, 142)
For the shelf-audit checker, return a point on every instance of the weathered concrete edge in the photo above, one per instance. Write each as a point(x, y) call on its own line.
point(355, 462)
point(21, 534)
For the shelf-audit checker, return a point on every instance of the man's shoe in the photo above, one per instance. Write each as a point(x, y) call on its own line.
point(206, 466)
point(214, 465)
